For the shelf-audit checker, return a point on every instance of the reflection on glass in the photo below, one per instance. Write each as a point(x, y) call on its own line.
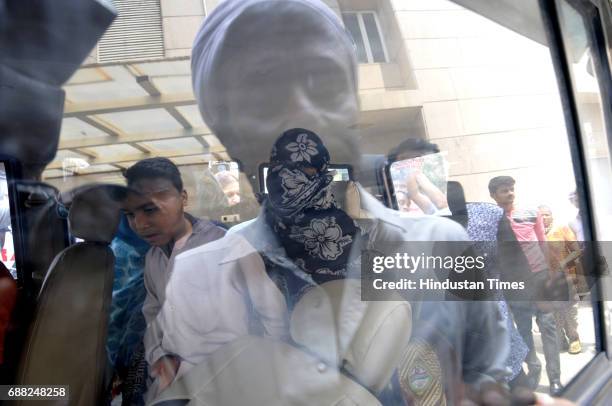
point(227, 175)
point(489, 100)
point(589, 102)
point(352, 24)
point(217, 192)
point(378, 54)
point(6, 233)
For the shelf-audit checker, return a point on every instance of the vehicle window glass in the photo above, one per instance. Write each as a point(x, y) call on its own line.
point(586, 86)
point(582, 56)
point(492, 107)
point(6, 227)
point(484, 92)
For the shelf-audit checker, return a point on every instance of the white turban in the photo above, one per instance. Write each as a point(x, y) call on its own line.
point(207, 47)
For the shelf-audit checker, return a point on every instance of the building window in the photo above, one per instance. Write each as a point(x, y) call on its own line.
point(365, 30)
point(135, 34)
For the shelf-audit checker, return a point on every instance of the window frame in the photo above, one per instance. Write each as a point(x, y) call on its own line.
point(591, 383)
point(364, 35)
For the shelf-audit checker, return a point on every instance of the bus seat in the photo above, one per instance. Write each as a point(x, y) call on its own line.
point(456, 202)
point(364, 338)
point(66, 342)
point(41, 219)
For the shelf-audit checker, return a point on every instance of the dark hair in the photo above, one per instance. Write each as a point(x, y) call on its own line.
point(154, 168)
point(419, 146)
point(499, 181)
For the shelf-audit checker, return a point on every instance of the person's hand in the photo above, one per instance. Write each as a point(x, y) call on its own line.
point(524, 397)
point(412, 187)
point(544, 399)
point(430, 190)
point(165, 370)
point(489, 394)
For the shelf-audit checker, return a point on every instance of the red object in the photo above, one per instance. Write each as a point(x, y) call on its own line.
point(8, 298)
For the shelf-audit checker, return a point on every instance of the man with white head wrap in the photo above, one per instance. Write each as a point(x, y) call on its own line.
point(248, 96)
point(261, 67)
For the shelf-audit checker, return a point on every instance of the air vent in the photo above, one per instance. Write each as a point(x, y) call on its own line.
point(135, 34)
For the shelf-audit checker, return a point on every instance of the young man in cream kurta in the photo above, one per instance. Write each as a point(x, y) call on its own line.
point(156, 213)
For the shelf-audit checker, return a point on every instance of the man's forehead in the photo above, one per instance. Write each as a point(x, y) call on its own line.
point(135, 201)
point(257, 46)
point(149, 186)
point(140, 197)
point(268, 67)
point(290, 20)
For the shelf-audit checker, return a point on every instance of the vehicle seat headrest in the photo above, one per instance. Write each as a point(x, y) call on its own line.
point(456, 202)
point(365, 338)
point(94, 212)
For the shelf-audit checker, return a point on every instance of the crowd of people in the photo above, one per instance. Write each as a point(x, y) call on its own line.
point(167, 317)
point(533, 228)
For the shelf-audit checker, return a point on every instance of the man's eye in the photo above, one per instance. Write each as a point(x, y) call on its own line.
point(129, 215)
point(149, 210)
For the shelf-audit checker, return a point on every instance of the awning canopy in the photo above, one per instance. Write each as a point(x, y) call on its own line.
point(118, 113)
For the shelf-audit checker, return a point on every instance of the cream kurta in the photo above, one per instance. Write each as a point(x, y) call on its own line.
point(212, 296)
point(158, 268)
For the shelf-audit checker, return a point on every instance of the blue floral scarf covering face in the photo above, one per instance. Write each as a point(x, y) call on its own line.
point(316, 235)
